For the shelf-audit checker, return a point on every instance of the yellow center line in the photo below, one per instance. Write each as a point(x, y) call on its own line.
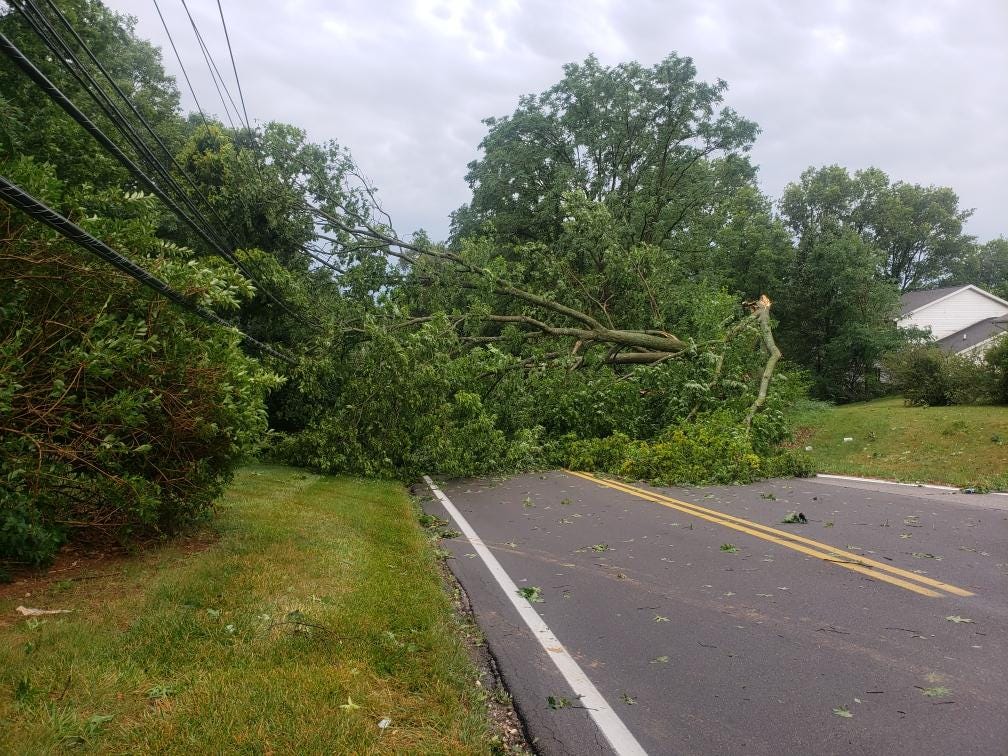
point(826, 552)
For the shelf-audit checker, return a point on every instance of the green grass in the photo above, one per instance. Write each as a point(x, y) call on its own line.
point(958, 446)
point(320, 591)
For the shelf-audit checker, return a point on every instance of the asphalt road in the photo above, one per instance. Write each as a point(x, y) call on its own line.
point(710, 635)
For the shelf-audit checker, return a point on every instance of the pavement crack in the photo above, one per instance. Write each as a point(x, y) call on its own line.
point(831, 629)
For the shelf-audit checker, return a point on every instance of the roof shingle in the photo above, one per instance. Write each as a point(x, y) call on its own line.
point(912, 300)
point(973, 335)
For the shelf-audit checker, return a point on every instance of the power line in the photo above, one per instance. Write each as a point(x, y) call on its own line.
point(54, 41)
point(57, 96)
point(125, 98)
point(29, 68)
point(33, 208)
point(212, 67)
point(227, 37)
point(178, 57)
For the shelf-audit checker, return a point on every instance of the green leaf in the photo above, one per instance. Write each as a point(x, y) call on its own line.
point(957, 619)
point(843, 711)
point(532, 594)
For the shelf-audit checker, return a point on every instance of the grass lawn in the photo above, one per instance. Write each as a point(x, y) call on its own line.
point(958, 446)
point(317, 612)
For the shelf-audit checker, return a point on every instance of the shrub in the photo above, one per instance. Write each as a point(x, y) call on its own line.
point(927, 376)
point(996, 360)
point(123, 417)
point(711, 450)
point(919, 374)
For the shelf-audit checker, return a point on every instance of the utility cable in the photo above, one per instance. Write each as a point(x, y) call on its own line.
point(227, 37)
point(63, 53)
point(189, 84)
point(121, 123)
point(54, 93)
point(212, 67)
point(125, 98)
point(17, 197)
point(185, 74)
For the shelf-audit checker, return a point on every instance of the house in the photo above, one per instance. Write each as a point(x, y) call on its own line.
point(962, 320)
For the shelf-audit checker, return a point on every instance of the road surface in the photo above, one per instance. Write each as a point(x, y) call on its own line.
point(700, 623)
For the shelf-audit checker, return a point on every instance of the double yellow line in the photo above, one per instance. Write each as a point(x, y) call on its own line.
point(877, 570)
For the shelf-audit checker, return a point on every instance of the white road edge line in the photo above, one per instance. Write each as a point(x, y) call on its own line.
point(619, 737)
point(898, 483)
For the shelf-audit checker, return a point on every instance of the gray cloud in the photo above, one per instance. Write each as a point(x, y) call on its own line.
point(915, 88)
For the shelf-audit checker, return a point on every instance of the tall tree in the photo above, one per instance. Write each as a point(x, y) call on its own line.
point(985, 265)
point(918, 228)
point(656, 146)
point(837, 314)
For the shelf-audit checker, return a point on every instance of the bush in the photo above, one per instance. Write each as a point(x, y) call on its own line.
point(711, 450)
point(123, 416)
point(929, 377)
point(996, 360)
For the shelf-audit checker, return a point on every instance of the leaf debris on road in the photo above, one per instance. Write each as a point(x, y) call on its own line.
point(939, 691)
point(533, 594)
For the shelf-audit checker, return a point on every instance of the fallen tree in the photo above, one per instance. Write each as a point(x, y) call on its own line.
point(628, 347)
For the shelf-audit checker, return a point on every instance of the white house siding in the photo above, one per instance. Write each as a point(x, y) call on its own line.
point(954, 313)
point(977, 351)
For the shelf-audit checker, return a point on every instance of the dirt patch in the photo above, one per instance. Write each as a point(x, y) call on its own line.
point(800, 438)
point(80, 563)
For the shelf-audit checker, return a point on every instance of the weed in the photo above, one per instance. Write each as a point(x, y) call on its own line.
point(23, 692)
point(430, 521)
point(160, 691)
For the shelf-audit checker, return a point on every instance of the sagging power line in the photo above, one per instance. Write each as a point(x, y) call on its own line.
point(194, 219)
point(17, 197)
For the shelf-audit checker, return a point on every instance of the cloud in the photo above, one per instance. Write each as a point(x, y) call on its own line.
point(915, 88)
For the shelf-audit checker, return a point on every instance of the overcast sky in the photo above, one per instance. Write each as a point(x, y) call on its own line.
point(917, 88)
